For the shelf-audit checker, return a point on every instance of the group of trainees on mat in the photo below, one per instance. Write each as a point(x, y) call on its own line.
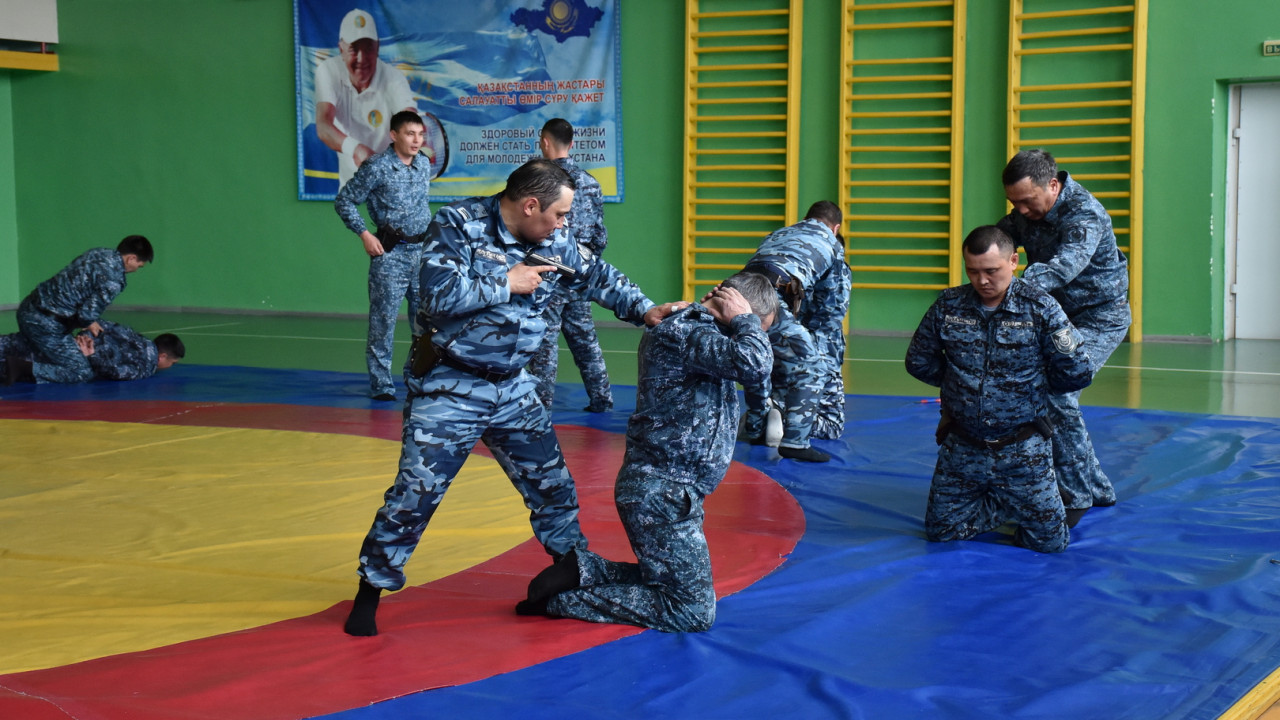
point(491, 281)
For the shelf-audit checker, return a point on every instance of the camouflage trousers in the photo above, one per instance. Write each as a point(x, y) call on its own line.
point(448, 410)
point(976, 490)
point(55, 355)
point(829, 423)
point(1080, 477)
point(796, 385)
point(670, 588)
point(393, 277)
point(572, 316)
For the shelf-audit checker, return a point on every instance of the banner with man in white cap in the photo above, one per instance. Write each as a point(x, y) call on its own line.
point(484, 84)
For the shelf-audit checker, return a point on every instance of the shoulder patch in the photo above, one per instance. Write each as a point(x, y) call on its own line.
point(1064, 342)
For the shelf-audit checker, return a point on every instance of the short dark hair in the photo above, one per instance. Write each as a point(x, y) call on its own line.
point(538, 178)
point(404, 117)
point(1036, 164)
point(560, 130)
point(137, 245)
point(826, 211)
point(170, 345)
point(757, 290)
point(980, 239)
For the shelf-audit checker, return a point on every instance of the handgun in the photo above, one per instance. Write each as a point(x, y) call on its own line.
point(536, 259)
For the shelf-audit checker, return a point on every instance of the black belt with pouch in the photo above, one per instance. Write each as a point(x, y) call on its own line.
point(425, 356)
point(390, 237)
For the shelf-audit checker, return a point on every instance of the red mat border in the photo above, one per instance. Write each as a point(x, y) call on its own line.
point(455, 630)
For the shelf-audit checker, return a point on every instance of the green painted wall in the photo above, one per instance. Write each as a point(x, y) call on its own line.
point(176, 120)
point(9, 292)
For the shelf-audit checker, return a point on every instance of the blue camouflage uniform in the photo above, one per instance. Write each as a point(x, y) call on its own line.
point(484, 335)
point(119, 352)
point(1073, 256)
point(679, 445)
point(122, 353)
point(809, 344)
point(997, 369)
point(397, 199)
point(567, 311)
point(72, 299)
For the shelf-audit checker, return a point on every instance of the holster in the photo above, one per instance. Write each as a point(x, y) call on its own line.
point(423, 357)
point(389, 238)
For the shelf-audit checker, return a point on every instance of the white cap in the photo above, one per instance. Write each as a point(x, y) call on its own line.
point(357, 25)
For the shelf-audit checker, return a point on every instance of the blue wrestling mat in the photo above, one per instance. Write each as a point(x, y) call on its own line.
point(1163, 607)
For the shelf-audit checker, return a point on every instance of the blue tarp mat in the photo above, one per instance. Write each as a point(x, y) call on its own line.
point(1164, 606)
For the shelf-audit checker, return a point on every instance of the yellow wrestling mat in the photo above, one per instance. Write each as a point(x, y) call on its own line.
point(119, 537)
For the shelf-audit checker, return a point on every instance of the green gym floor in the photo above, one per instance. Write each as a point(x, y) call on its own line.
point(1235, 377)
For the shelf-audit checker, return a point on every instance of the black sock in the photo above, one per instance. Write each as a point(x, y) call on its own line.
point(1074, 515)
point(532, 607)
point(559, 577)
point(361, 622)
point(808, 454)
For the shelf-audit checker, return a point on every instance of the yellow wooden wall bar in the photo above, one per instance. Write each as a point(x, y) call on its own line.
point(741, 145)
point(900, 189)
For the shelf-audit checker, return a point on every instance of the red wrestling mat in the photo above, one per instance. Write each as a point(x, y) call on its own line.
point(455, 630)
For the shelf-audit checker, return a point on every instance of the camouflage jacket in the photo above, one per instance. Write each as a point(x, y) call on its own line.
point(82, 290)
point(586, 218)
point(466, 300)
point(396, 194)
point(686, 418)
point(997, 369)
point(122, 353)
point(1072, 253)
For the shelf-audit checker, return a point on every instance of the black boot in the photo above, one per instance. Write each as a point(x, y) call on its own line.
point(17, 369)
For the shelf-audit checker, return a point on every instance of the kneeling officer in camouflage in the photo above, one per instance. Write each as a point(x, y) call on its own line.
point(997, 347)
point(479, 321)
point(679, 445)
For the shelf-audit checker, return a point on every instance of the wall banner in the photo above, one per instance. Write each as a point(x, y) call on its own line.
point(484, 74)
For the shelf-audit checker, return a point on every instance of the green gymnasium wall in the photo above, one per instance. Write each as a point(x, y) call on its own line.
point(176, 120)
point(8, 203)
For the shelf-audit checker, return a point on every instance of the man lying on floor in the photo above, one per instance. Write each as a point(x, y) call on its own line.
point(118, 353)
point(679, 444)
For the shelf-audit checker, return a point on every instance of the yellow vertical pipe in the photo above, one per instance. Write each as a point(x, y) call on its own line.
point(790, 193)
point(1015, 77)
point(1136, 168)
point(689, 193)
point(956, 228)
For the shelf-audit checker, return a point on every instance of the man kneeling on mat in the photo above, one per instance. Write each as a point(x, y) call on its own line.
point(679, 444)
point(997, 348)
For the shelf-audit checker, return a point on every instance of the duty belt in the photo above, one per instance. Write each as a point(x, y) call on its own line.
point(1040, 426)
point(390, 237)
point(491, 376)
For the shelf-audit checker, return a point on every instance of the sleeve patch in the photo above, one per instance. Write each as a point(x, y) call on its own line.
point(1064, 342)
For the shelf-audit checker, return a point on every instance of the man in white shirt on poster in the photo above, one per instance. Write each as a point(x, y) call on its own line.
point(356, 95)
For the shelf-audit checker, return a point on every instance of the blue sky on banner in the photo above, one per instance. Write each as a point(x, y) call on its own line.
point(493, 71)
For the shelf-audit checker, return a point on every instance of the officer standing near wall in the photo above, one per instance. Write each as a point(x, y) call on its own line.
point(998, 348)
point(806, 263)
point(395, 183)
point(73, 300)
point(679, 445)
point(479, 322)
point(567, 312)
point(1072, 255)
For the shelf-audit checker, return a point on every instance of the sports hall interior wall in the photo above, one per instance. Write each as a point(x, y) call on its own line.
point(176, 120)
